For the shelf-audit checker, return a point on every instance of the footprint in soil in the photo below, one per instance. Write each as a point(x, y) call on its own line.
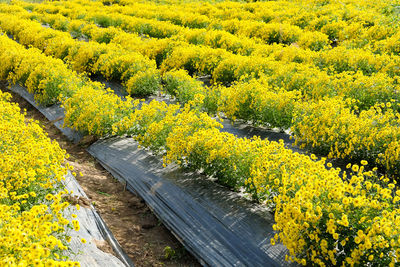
point(148, 226)
point(136, 204)
point(148, 221)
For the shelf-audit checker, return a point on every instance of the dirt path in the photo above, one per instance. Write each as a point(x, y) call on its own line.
point(141, 235)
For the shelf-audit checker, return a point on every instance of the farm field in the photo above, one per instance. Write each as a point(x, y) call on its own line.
point(326, 72)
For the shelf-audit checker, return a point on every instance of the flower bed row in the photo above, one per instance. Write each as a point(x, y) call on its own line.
point(121, 17)
point(334, 127)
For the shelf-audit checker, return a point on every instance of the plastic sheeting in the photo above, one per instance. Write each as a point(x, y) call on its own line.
point(244, 130)
point(120, 91)
point(217, 225)
point(92, 230)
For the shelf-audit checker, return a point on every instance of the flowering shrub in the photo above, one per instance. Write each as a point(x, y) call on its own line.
point(144, 83)
point(93, 110)
point(259, 102)
point(337, 131)
point(181, 85)
point(44, 76)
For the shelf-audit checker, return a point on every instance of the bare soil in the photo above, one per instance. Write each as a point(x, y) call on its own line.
point(142, 236)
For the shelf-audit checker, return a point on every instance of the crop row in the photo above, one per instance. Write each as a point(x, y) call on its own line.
point(33, 229)
point(257, 103)
point(332, 126)
point(368, 90)
point(334, 60)
point(278, 21)
point(320, 217)
point(313, 83)
point(306, 23)
point(309, 15)
point(108, 60)
point(115, 16)
point(278, 101)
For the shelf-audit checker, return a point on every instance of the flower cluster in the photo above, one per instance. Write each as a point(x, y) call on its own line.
point(44, 76)
point(337, 131)
point(33, 229)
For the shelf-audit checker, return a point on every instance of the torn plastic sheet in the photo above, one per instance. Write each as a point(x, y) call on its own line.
point(218, 226)
point(120, 91)
point(53, 113)
point(91, 229)
point(245, 130)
